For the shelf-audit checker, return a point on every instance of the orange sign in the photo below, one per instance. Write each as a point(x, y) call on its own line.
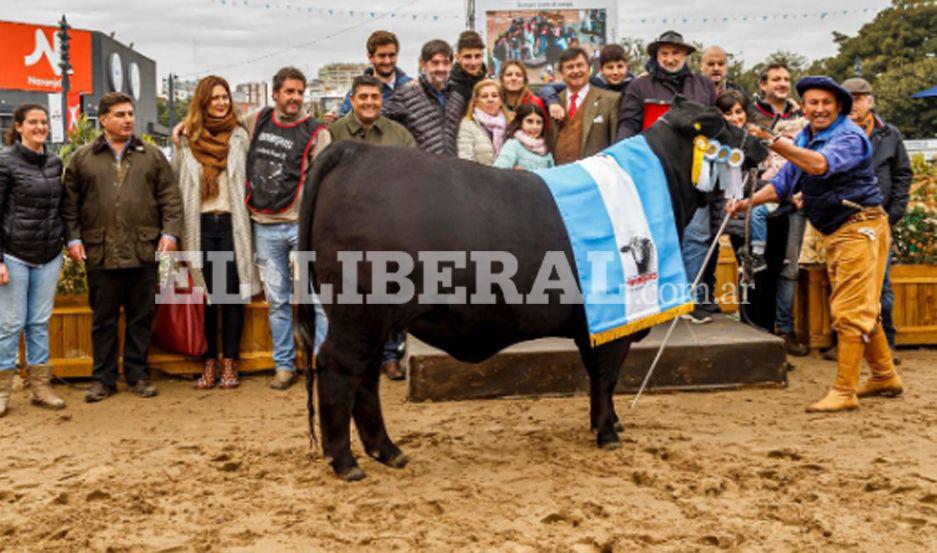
point(29, 58)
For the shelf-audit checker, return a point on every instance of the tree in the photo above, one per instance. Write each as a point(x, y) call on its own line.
point(162, 110)
point(896, 55)
point(750, 78)
point(636, 50)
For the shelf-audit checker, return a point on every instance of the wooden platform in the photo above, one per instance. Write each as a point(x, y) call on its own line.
point(722, 354)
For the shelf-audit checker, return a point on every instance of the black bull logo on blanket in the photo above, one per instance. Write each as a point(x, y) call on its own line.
point(379, 198)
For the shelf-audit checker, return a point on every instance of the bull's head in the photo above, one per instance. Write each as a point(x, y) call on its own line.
point(690, 119)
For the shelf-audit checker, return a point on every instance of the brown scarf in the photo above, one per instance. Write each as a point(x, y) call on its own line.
point(869, 124)
point(210, 149)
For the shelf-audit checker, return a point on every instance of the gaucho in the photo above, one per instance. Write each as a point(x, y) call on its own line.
point(403, 200)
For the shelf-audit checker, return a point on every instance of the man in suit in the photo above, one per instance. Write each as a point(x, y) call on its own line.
point(591, 121)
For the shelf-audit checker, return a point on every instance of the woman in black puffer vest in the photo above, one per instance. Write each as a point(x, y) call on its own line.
point(30, 251)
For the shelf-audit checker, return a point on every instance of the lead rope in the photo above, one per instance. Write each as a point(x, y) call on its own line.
point(673, 323)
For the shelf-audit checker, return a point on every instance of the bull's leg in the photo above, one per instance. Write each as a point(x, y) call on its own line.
point(369, 419)
point(604, 366)
point(336, 394)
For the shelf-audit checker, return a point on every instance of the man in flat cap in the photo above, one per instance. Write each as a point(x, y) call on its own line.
point(831, 173)
point(893, 171)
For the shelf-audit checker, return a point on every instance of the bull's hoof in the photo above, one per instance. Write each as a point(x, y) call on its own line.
point(610, 446)
point(352, 475)
point(398, 461)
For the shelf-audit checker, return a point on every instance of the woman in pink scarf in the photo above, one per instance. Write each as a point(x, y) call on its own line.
point(482, 132)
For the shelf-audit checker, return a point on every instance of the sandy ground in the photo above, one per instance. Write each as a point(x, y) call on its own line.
point(231, 470)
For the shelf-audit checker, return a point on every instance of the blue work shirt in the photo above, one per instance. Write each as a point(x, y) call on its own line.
point(831, 198)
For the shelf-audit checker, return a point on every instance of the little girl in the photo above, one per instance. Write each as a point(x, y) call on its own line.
point(526, 149)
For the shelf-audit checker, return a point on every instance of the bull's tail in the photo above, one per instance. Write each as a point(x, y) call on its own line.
point(306, 319)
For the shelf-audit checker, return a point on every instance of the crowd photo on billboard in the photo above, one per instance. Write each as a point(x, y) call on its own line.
point(538, 37)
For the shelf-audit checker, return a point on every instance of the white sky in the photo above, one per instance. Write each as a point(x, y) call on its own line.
point(192, 37)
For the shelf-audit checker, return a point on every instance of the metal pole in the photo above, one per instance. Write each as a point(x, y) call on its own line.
point(66, 66)
point(470, 15)
point(172, 103)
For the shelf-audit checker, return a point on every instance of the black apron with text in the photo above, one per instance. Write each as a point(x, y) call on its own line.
point(276, 162)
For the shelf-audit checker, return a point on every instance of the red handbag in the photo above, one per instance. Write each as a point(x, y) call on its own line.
point(179, 326)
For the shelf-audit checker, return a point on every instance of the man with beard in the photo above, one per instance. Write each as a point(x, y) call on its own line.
point(428, 107)
point(469, 67)
point(646, 98)
point(831, 173)
point(714, 64)
point(667, 75)
point(284, 143)
point(589, 125)
point(383, 48)
point(774, 96)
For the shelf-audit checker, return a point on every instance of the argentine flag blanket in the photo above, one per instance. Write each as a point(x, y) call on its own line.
point(617, 211)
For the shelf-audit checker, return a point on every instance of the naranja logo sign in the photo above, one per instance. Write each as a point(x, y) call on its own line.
point(30, 58)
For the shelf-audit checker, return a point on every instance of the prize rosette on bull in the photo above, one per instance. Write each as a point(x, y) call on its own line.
point(618, 214)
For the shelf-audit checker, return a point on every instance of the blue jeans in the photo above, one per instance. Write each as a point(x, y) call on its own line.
point(888, 301)
point(787, 280)
point(274, 243)
point(694, 247)
point(26, 305)
point(759, 228)
point(393, 347)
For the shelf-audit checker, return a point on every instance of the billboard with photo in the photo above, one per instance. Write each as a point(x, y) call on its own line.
point(536, 33)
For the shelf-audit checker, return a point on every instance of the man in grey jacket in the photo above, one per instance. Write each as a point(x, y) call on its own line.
point(429, 108)
point(893, 171)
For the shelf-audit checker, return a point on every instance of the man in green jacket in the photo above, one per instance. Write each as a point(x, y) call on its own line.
point(121, 206)
point(364, 123)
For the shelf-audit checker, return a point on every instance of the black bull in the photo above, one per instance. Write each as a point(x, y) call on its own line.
point(365, 198)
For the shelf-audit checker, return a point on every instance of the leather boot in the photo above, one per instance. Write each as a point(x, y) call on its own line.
point(209, 375)
point(884, 380)
point(6, 385)
point(842, 396)
point(229, 373)
point(40, 387)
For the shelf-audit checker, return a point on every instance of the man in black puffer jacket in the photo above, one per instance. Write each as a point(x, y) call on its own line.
point(428, 107)
point(469, 67)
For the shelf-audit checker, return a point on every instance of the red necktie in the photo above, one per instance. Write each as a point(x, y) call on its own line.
point(572, 105)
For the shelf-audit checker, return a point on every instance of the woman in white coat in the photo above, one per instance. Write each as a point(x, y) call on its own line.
point(210, 168)
point(481, 133)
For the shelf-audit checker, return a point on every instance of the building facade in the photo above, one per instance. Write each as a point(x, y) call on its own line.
point(29, 72)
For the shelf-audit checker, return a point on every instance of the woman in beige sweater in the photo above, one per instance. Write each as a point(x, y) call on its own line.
point(481, 133)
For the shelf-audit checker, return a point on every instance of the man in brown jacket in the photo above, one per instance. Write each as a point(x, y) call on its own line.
point(121, 206)
point(591, 118)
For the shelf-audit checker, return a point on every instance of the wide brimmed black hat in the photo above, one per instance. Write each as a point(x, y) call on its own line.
point(826, 83)
point(669, 37)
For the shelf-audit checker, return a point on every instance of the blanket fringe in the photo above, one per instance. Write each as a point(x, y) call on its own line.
point(607, 336)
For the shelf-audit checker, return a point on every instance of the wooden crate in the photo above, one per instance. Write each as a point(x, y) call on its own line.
point(70, 351)
point(914, 311)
